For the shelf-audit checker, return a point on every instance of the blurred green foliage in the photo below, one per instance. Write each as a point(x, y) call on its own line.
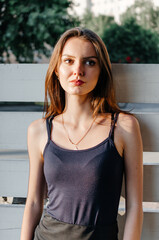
point(145, 13)
point(136, 39)
point(131, 43)
point(29, 30)
point(28, 27)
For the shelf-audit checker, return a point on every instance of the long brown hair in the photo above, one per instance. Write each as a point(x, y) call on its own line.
point(103, 96)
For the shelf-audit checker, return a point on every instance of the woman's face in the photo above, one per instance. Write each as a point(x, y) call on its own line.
point(79, 68)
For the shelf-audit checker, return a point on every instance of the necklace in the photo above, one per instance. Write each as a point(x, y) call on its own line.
point(76, 144)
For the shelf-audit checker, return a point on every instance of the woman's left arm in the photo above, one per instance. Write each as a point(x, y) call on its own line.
point(133, 159)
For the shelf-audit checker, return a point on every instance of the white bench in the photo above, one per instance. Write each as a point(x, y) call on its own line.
point(25, 83)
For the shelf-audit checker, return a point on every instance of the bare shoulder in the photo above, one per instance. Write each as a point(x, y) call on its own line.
point(128, 122)
point(129, 128)
point(37, 127)
point(37, 133)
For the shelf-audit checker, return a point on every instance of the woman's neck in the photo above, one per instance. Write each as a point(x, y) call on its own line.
point(78, 110)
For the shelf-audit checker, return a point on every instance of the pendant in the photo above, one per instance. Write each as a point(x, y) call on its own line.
point(76, 148)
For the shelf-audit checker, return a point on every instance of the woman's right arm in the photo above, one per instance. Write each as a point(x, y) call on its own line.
point(36, 187)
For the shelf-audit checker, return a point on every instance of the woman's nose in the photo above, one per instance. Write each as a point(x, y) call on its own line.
point(78, 70)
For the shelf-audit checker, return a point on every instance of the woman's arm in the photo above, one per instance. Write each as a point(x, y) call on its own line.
point(133, 158)
point(34, 204)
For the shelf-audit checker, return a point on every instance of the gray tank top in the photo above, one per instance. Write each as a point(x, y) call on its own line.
point(84, 186)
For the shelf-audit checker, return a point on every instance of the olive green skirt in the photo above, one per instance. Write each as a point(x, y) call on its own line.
point(50, 228)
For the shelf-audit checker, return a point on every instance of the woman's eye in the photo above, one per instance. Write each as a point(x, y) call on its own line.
point(90, 62)
point(68, 60)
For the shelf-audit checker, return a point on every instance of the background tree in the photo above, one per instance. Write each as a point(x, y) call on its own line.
point(131, 43)
point(28, 27)
point(96, 23)
point(145, 13)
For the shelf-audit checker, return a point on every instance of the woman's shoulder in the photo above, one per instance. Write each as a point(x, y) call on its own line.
point(37, 127)
point(127, 121)
point(128, 126)
point(37, 134)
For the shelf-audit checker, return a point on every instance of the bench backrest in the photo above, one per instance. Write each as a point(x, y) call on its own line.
point(137, 87)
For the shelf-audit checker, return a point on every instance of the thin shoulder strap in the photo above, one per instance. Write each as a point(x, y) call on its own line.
point(48, 126)
point(113, 121)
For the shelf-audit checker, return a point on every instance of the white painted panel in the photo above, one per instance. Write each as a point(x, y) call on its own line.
point(22, 82)
point(10, 221)
point(151, 183)
point(148, 207)
point(136, 82)
point(14, 178)
point(151, 158)
point(9, 234)
point(13, 132)
point(150, 226)
point(14, 172)
point(151, 207)
point(149, 125)
point(150, 230)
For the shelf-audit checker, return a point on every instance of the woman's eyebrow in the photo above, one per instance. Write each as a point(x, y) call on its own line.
point(90, 57)
point(67, 55)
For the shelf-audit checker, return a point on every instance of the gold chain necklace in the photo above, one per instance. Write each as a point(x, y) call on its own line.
point(75, 144)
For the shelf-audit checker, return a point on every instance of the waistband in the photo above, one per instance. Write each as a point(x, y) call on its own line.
point(51, 228)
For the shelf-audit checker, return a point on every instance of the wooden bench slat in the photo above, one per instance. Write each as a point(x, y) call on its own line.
point(14, 171)
point(149, 130)
point(134, 82)
point(11, 220)
point(151, 158)
point(152, 207)
point(14, 129)
point(150, 226)
point(14, 155)
point(22, 82)
point(14, 178)
point(150, 183)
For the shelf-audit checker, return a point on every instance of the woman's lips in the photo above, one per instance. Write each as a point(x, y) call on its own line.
point(77, 82)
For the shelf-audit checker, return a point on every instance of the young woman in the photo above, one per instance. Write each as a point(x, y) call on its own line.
point(80, 150)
